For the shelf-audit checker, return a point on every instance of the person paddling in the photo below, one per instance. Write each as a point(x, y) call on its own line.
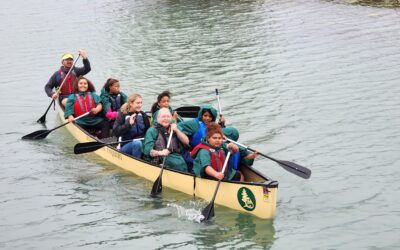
point(84, 100)
point(210, 154)
point(58, 77)
point(155, 142)
point(195, 129)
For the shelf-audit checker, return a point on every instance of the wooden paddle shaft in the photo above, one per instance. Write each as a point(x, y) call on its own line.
point(219, 181)
point(69, 72)
point(79, 117)
point(219, 104)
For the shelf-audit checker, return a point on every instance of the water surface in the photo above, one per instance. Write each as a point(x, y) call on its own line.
point(313, 82)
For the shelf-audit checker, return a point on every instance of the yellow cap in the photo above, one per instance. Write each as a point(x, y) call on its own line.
point(67, 56)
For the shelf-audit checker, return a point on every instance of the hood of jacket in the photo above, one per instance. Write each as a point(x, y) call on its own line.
point(231, 132)
point(210, 109)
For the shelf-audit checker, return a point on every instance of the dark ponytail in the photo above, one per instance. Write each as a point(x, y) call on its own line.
point(155, 106)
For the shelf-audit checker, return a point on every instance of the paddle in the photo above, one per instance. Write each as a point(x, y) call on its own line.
point(157, 186)
point(86, 147)
point(43, 118)
point(220, 111)
point(208, 211)
point(291, 167)
point(188, 111)
point(219, 104)
point(41, 134)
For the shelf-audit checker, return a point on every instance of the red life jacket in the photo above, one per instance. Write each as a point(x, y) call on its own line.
point(83, 105)
point(217, 158)
point(66, 88)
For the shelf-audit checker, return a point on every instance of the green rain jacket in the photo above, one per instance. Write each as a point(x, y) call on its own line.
point(190, 127)
point(174, 160)
point(202, 159)
point(106, 99)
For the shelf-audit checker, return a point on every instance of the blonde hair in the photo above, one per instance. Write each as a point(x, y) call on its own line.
point(127, 106)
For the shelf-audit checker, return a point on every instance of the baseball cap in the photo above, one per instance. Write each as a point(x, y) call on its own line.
point(67, 56)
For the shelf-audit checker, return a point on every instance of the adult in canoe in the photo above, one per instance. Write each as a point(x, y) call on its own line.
point(62, 74)
point(131, 123)
point(163, 101)
point(155, 142)
point(209, 156)
point(84, 99)
point(112, 99)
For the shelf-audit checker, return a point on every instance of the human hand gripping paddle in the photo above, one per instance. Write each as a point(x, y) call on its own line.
point(291, 167)
point(41, 134)
point(221, 119)
point(43, 118)
point(86, 147)
point(208, 211)
point(157, 186)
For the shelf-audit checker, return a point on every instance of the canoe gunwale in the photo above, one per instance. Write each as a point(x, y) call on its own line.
point(268, 183)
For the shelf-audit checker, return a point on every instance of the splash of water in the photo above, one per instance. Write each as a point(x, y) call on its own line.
point(190, 211)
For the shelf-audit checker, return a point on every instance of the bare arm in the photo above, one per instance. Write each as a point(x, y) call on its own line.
point(211, 172)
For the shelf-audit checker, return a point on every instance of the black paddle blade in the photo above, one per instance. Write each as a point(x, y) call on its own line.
point(188, 114)
point(208, 212)
point(188, 111)
point(295, 169)
point(42, 119)
point(87, 147)
point(37, 135)
point(157, 187)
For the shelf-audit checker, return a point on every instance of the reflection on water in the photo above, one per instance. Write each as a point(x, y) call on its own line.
point(237, 230)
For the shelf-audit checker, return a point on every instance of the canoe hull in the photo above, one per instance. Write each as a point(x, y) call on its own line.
point(257, 198)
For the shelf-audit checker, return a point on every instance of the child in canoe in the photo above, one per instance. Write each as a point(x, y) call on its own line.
point(209, 156)
point(112, 99)
point(163, 101)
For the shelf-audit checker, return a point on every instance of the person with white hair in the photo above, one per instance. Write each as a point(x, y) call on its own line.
point(156, 141)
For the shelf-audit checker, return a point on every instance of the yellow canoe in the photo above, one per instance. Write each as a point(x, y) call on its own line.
point(256, 195)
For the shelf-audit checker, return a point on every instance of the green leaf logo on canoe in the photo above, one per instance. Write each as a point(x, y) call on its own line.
point(246, 199)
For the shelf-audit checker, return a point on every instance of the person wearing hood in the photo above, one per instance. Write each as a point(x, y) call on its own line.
point(209, 156)
point(131, 123)
point(163, 101)
point(85, 100)
point(112, 99)
point(156, 140)
point(58, 77)
point(243, 157)
point(195, 129)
